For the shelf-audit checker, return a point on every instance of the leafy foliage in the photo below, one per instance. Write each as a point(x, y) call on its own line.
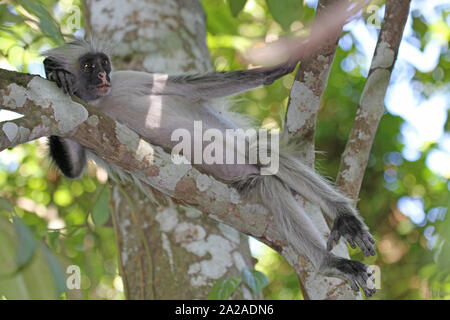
point(285, 12)
point(236, 6)
point(223, 289)
point(255, 280)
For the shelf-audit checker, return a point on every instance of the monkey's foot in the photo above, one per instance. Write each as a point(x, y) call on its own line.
point(354, 231)
point(355, 272)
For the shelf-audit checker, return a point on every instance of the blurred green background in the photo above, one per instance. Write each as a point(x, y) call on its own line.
point(48, 222)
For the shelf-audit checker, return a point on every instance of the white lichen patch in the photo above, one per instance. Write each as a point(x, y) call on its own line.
point(172, 173)
point(192, 212)
point(239, 261)
point(303, 105)
point(166, 247)
point(167, 218)
point(68, 113)
point(372, 98)
point(229, 232)
point(16, 98)
point(187, 233)
point(93, 120)
point(362, 135)
point(203, 182)
point(10, 129)
point(127, 137)
point(123, 230)
point(384, 57)
point(219, 250)
point(352, 168)
point(144, 151)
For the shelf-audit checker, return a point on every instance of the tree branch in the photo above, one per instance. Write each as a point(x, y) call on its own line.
point(371, 105)
point(310, 82)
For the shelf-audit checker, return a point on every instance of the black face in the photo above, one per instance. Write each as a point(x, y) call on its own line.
point(94, 76)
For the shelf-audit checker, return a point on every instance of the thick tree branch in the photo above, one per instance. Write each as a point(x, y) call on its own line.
point(371, 105)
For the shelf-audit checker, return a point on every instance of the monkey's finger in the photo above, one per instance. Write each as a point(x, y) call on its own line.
point(362, 245)
point(62, 81)
point(371, 239)
point(350, 241)
point(54, 77)
point(69, 83)
point(354, 285)
point(370, 288)
point(368, 243)
point(366, 285)
point(62, 78)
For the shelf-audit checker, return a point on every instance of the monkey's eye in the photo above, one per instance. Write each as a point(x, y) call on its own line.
point(87, 65)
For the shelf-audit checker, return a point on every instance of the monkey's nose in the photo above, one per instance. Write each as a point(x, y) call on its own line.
point(102, 76)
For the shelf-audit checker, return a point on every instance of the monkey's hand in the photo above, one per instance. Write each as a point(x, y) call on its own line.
point(354, 231)
point(63, 78)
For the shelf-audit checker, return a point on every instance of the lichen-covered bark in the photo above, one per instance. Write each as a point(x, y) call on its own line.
point(166, 252)
point(371, 105)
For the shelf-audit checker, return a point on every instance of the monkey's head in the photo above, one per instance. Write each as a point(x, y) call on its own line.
point(89, 68)
point(93, 76)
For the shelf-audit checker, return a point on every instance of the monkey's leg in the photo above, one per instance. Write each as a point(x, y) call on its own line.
point(302, 234)
point(355, 272)
point(347, 222)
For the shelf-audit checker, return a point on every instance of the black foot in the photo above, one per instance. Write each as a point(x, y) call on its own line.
point(354, 231)
point(355, 272)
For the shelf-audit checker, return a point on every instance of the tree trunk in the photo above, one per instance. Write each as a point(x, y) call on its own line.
point(166, 251)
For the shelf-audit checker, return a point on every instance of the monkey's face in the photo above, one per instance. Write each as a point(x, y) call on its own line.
point(94, 76)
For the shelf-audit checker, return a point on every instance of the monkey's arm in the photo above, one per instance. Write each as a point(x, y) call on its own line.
point(218, 84)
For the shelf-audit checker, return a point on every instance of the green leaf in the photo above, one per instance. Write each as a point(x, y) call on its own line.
point(223, 289)
point(47, 24)
point(100, 212)
point(36, 281)
point(236, 6)
point(56, 271)
point(254, 279)
point(26, 244)
point(285, 12)
point(52, 239)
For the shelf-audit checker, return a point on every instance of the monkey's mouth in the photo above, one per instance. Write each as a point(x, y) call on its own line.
point(103, 88)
